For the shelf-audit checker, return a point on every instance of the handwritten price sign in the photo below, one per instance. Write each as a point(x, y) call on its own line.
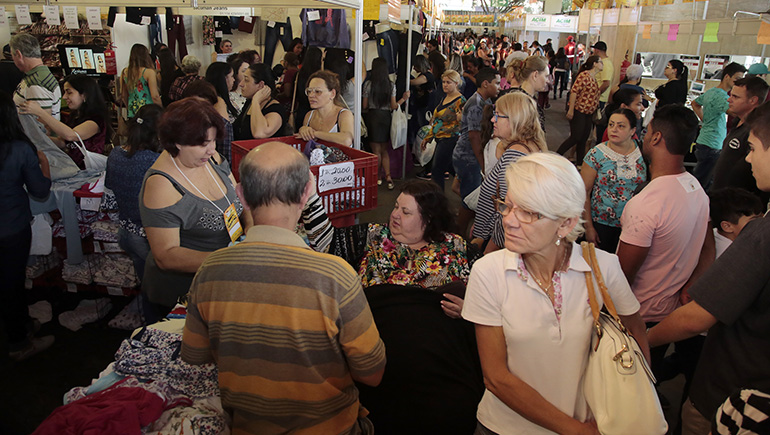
point(337, 176)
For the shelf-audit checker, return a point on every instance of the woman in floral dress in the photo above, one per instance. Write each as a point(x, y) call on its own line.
point(416, 247)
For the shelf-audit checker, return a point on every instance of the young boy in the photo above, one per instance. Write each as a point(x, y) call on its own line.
point(731, 209)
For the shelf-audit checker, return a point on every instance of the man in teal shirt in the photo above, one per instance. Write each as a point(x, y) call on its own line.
point(711, 108)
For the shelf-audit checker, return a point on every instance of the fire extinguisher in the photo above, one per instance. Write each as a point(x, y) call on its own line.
point(624, 67)
point(109, 61)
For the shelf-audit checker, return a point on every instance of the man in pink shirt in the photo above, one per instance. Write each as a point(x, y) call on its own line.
point(665, 224)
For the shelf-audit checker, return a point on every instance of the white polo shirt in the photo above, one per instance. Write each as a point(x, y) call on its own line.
point(546, 352)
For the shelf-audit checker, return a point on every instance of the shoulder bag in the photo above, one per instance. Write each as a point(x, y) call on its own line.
point(291, 112)
point(618, 384)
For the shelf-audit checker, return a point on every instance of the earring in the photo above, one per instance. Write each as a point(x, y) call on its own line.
point(558, 240)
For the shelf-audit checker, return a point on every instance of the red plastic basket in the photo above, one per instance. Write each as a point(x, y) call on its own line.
point(340, 204)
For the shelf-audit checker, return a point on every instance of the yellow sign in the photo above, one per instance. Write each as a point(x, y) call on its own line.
point(763, 37)
point(647, 34)
point(371, 9)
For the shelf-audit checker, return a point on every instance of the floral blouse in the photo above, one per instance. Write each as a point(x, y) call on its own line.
point(446, 119)
point(586, 92)
point(617, 177)
point(388, 261)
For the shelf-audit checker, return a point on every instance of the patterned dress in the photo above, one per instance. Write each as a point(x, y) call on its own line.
point(388, 261)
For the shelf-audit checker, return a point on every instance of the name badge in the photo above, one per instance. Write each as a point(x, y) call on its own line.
point(232, 223)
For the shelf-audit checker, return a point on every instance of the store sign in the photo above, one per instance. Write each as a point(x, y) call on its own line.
point(225, 11)
point(336, 176)
point(71, 17)
point(611, 16)
point(3, 18)
point(564, 23)
point(629, 16)
point(596, 17)
point(538, 22)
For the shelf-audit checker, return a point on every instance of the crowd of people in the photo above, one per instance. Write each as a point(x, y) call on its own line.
point(288, 322)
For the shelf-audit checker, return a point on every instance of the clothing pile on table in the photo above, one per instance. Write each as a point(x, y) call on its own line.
point(147, 389)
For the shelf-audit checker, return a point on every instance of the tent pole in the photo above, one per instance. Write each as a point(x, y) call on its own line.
point(409, 55)
point(357, 71)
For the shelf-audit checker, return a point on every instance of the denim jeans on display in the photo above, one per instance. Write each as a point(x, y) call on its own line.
point(156, 32)
point(279, 32)
point(387, 48)
point(176, 35)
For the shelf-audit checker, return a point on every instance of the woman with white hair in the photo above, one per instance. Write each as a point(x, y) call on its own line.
point(529, 302)
point(633, 80)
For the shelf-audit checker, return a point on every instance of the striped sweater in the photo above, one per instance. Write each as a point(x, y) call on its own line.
point(287, 327)
point(40, 86)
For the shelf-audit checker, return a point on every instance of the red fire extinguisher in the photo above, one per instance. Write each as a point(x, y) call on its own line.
point(624, 67)
point(109, 61)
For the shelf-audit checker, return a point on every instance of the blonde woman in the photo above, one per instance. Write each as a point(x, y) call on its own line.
point(445, 125)
point(515, 123)
point(531, 75)
point(139, 84)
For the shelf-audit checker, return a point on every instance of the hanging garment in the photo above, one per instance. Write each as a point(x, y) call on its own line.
point(188, 25)
point(329, 30)
point(155, 32)
point(177, 35)
point(273, 34)
point(135, 15)
point(247, 24)
point(277, 15)
point(208, 31)
point(387, 48)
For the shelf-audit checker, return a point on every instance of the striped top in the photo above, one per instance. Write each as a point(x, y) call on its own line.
point(288, 328)
point(40, 86)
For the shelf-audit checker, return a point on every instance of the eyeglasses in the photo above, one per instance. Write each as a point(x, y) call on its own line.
point(523, 216)
point(314, 91)
point(495, 115)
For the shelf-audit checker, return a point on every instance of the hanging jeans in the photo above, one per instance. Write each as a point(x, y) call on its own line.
point(156, 32)
point(279, 32)
point(177, 34)
point(387, 48)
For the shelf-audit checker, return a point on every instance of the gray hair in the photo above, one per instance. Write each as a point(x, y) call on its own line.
point(26, 44)
point(634, 72)
point(190, 64)
point(456, 63)
point(548, 184)
point(284, 184)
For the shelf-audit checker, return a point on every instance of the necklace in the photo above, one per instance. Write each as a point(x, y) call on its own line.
point(550, 284)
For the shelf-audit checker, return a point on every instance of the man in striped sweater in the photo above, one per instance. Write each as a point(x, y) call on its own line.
point(38, 84)
point(289, 328)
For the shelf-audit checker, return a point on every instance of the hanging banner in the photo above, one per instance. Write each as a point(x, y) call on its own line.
point(538, 22)
point(22, 15)
point(220, 11)
point(673, 31)
point(611, 16)
point(371, 9)
point(647, 32)
point(52, 15)
point(71, 17)
point(710, 35)
point(94, 17)
point(629, 16)
point(564, 23)
point(763, 37)
point(596, 17)
point(3, 18)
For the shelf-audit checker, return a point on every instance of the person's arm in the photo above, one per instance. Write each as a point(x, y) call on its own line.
point(631, 259)
point(605, 84)
point(306, 132)
point(317, 225)
point(394, 104)
point(164, 242)
point(344, 135)
point(419, 80)
point(263, 126)
point(478, 148)
point(572, 100)
point(686, 321)
point(589, 175)
point(86, 130)
point(708, 253)
point(698, 109)
point(152, 82)
point(637, 328)
point(517, 394)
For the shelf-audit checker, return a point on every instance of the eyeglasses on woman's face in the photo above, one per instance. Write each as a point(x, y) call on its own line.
point(314, 91)
point(496, 115)
point(523, 216)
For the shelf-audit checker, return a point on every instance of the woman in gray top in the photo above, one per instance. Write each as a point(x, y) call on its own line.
point(185, 197)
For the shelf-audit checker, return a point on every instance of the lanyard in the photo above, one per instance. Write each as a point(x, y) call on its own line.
point(199, 191)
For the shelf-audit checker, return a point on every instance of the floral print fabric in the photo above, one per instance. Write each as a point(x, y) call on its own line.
point(388, 261)
point(586, 91)
point(557, 298)
point(617, 177)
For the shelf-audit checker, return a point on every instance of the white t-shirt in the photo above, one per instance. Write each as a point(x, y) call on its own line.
point(669, 216)
point(546, 352)
point(490, 158)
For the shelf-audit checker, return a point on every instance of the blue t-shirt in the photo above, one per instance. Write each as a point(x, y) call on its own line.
point(714, 129)
point(471, 121)
point(617, 177)
point(124, 177)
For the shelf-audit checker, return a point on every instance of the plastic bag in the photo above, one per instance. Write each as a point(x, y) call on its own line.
point(95, 161)
point(42, 235)
point(398, 125)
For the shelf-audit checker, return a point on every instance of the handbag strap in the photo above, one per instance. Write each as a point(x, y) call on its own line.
point(589, 254)
point(81, 146)
point(293, 97)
